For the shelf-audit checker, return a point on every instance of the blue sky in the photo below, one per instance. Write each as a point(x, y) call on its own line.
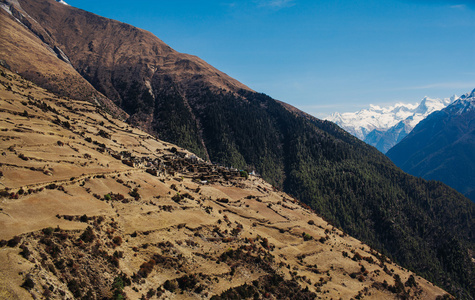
point(320, 55)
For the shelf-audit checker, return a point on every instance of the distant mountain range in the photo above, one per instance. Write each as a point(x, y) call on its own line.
point(442, 147)
point(179, 98)
point(384, 127)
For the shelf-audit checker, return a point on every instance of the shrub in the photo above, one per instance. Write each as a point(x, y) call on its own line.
point(118, 283)
point(25, 251)
point(3, 193)
point(265, 243)
point(357, 257)
point(88, 235)
point(244, 174)
point(51, 186)
point(75, 288)
point(104, 134)
point(48, 231)
point(128, 163)
point(187, 282)
point(83, 218)
point(151, 293)
point(117, 240)
point(114, 261)
point(152, 172)
point(28, 284)
point(14, 241)
point(187, 195)
point(66, 124)
point(306, 236)
point(23, 157)
point(177, 198)
point(411, 281)
point(146, 268)
point(135, 193)
point(170, 285)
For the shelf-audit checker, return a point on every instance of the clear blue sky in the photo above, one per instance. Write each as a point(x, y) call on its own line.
point(319, 55)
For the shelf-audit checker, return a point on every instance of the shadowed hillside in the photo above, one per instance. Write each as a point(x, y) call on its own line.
point(442, 147)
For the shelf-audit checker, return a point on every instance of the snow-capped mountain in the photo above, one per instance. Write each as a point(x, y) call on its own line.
point(442, 147)
point(464, 104)
point(62, 2)
point(383, 127)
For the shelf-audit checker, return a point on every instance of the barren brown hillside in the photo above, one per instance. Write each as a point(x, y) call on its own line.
point(92, 208)
point(25, 52)
point(111, 53)
point(130, 66)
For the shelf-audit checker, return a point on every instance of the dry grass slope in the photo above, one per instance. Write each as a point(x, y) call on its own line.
point(92, 208)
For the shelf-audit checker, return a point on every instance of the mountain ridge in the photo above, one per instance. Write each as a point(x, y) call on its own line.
point(36, 61)
point(441, 148)
point(109, 64)
point(384, 127)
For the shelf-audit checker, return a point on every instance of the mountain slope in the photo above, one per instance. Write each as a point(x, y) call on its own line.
point(384, 127)
point(94, 209)
point(442, 147)
point(135, 69)
point(181, 99)
point(28, 54)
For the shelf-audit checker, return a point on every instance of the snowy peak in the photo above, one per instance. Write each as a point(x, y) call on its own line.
point(382, 118)
point(375, 118)
point(464, 104)
point(428, 105)
point(62, 2)
point(468, 95)
point(378, 123)
point(442, 147)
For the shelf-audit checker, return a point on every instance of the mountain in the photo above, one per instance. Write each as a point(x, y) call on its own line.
point(442, 147)
point(131, 67)
point(425, 226)
point(95, 209)
point(384, 127)
point(24, 47)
